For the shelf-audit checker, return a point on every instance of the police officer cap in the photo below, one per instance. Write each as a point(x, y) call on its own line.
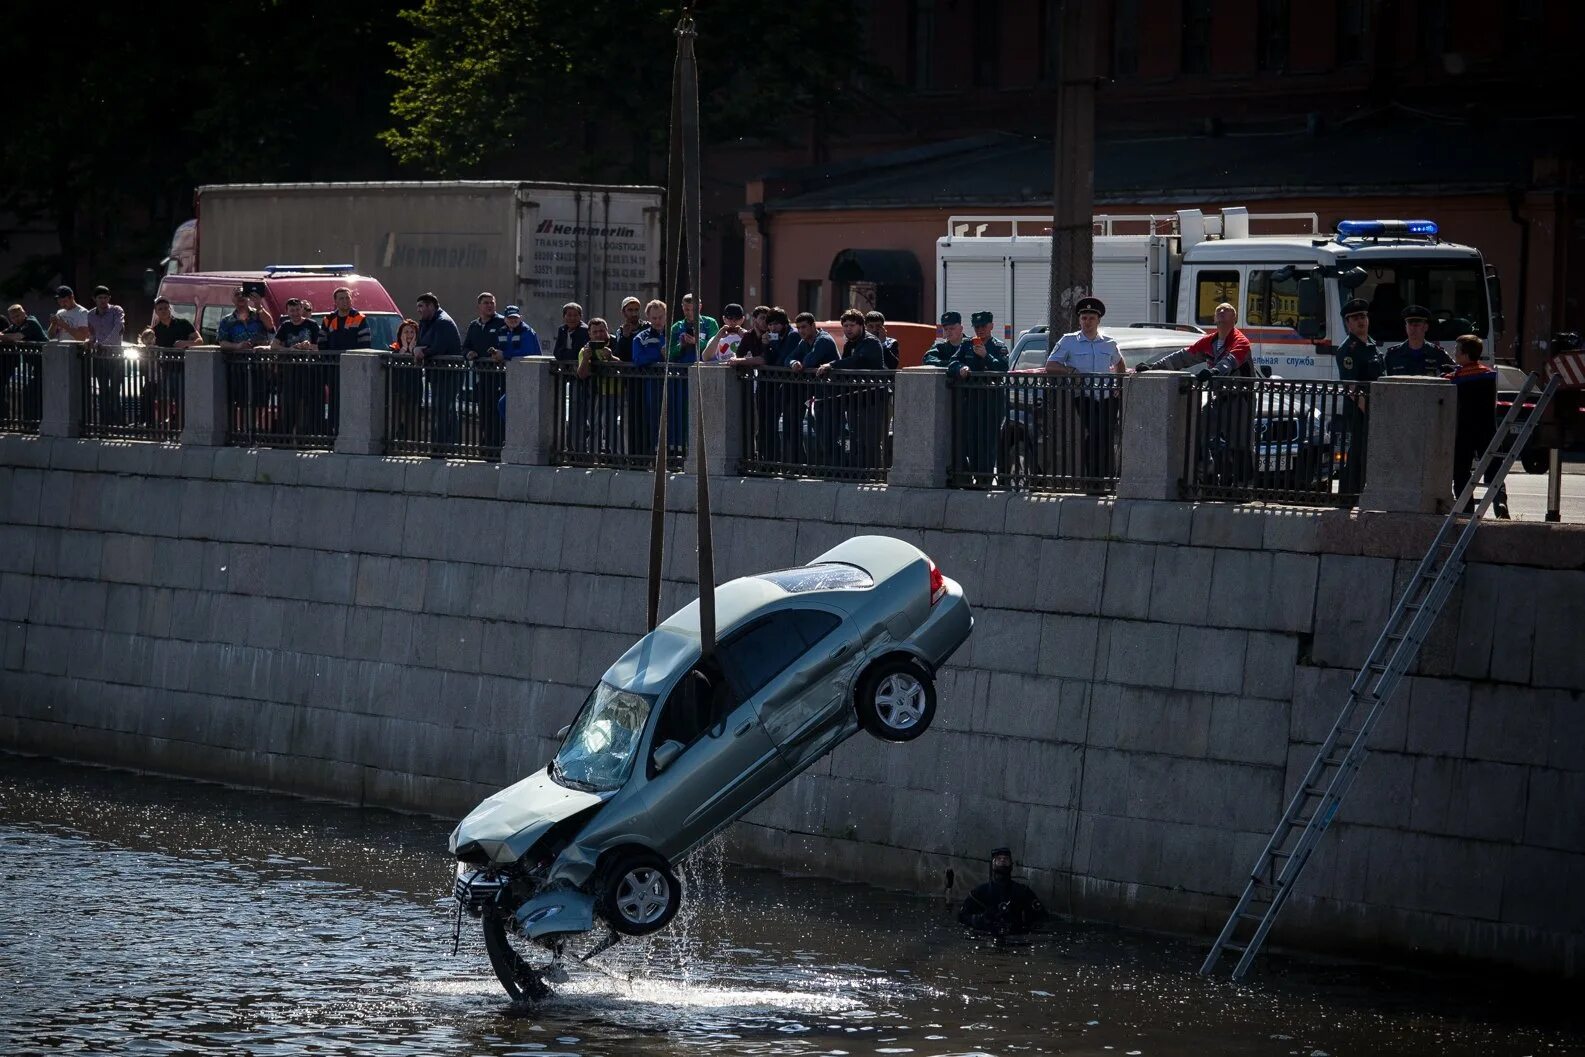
point(981, 319)
point(1355, 307)
point(1090, 304)
point(949, 319)
point(1001, 851)
point(1416, 312)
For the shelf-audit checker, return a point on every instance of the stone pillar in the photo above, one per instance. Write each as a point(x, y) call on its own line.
point(361, 429)
point(204, 407)
point(921, 428)
point(1154, 441)
point(1409, 461)
point(62, 413)
point(718, 392)
point(530, 411)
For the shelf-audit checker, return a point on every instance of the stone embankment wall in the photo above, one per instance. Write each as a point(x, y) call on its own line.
point(1145, 685)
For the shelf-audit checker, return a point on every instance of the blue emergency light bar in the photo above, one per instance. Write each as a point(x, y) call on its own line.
point(1377, 228)
point(324, 269)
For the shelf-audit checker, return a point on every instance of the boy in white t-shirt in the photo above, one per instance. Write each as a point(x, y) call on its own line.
point(723, 346)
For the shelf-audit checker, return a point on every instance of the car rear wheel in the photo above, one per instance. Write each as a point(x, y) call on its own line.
point(1539, 461)
point(897, 701)
point(641, 895)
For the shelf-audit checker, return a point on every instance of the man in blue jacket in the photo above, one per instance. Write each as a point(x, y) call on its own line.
point(649, 350)
point(440, 347)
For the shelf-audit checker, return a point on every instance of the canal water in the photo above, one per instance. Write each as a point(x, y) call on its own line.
point(150, 915)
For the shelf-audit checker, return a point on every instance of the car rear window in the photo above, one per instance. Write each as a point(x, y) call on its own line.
point(829, 576)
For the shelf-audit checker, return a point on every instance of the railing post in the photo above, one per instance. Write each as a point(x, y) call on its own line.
point(1155, 439)
point(361, 426)
point(1409, 450)
point(204, 408)
point(530, 411)
point(719, 392)
point(62, 413)
point(921, 428)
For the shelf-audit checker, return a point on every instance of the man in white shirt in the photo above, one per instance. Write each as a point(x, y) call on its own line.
point(1087, 351)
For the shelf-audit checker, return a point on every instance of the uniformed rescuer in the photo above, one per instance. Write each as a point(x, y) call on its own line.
point(1001, 906)
point(981, 408)
point(1359, 359)
point(1416, 355)
point(1089, 351)
point(945, 350)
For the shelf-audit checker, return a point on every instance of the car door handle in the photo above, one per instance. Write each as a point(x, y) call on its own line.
point(739, 732)
point(838, 652)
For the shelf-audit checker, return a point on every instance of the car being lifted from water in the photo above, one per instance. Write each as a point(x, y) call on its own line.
point(674, 745)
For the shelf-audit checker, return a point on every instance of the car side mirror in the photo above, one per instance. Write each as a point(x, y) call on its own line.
point(667, 754)
point(151, 282)
point(1351, 278)
point(1494, 295)
point(1265, 370)
point(561, 735)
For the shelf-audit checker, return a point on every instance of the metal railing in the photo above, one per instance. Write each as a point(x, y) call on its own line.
point(1036, 432)
point(21, 388)
point(1275, 440)
point(132, 392)
point(445, 408)
point(282, 399)
point(838, 427)
point(612, 417)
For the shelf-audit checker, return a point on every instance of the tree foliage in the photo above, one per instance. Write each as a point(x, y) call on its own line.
point(585, 85)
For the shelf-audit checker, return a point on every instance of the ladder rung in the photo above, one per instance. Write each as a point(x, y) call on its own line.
point(1250, 916)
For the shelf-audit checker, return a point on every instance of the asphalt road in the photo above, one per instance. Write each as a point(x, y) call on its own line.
point(1527, 494)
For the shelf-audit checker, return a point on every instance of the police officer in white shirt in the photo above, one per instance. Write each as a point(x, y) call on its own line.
point(1088, 351)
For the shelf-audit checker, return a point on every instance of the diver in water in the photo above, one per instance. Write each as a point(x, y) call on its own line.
point(1001, 906)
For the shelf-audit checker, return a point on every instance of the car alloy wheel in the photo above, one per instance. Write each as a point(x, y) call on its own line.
point(900, 700)
point(643, 895)
point(640, 894)
point(896, 700)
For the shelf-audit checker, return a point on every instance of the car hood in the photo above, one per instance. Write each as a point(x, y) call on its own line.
point(507, 824)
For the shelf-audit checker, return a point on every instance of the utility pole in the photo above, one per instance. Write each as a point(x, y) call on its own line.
point(1072, 238)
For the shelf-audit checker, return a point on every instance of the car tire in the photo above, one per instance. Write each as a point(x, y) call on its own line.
point(1539, 461)
point(896, 700)
point(640, 894)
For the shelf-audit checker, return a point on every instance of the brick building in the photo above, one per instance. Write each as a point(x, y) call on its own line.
point(1338, 107)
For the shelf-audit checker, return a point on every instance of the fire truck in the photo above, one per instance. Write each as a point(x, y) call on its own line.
point(1288, 285)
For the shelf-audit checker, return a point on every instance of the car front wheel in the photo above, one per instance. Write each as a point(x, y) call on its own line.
point(641, 895)
point(897, 701)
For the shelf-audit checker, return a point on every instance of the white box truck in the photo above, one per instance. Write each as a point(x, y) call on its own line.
point(1289, 288)
point(538, 245)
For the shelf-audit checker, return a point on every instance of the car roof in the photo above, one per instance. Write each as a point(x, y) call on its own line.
point(368, 295)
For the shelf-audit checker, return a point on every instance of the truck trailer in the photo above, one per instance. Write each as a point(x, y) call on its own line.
point(538, 245)
point(1289, 288)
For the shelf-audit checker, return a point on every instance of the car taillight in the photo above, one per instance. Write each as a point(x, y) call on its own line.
point(938, 584)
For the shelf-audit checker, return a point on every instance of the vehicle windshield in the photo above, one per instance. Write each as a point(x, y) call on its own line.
point(598, 751)
point(1453, 290)
point(382, 328)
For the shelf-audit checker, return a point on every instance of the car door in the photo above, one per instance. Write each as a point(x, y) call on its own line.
point(795, 665)
point(718, 776)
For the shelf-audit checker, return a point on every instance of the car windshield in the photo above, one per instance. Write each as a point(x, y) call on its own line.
point(1452, 290)
point(1137, 346)
point(598, 751)
point(382, 328)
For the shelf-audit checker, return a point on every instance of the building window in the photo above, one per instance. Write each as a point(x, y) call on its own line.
point(1125, 38)
point(1272, 54)
point(921, 38)
point(1211, 289)
point(810, 294)
point(1196, 36)
point(1353, 25)
point(987, 43)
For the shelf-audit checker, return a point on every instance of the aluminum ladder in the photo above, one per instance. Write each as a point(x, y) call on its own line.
point(1336, 764)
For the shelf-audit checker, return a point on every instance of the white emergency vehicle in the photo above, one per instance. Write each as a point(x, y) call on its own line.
point(1289, 288)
